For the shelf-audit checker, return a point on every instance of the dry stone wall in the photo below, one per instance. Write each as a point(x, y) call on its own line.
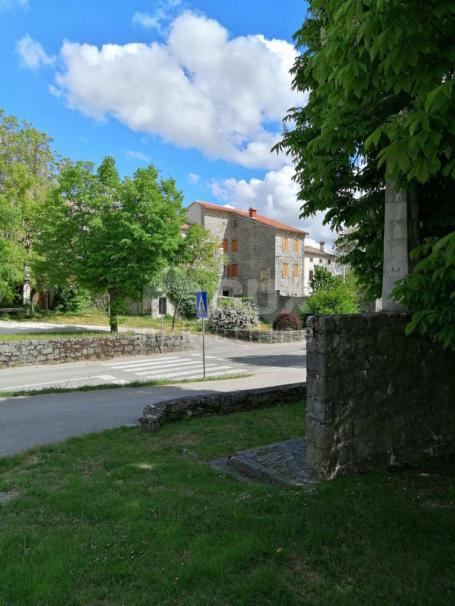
point(374, 396)
point(263, 336)
point(169, 411)
point(48, 351)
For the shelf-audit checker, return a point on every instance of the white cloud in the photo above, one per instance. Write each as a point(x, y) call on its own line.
point(33, 54)
point(137, 155)
point(160, 17)
point(194, 178)
point(6, 4)
point(200, 89)
point(274, 196)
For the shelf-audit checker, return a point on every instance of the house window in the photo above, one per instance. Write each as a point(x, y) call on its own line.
point(296, 246)
point(296, 271)
point(320, 260)
point(285, 270)
point(234, 270)
point(329, 262)
point(285, 244)
point(235, 246)
point(311, 259)
point(311, 274)
point(225, 245)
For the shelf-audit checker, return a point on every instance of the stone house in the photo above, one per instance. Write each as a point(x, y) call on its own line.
point(317, 257)
point(266, 259)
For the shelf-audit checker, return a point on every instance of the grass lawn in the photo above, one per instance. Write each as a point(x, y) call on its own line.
point(99, 318)
point(125, 517)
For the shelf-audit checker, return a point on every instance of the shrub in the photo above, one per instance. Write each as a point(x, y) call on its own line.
point(287, 321)
point(339, 299)
point(233, 313)
point(71, 298)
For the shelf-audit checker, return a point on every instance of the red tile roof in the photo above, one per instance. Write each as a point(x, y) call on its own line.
point(259, 218)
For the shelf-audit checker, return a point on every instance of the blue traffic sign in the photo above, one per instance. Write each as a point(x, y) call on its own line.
point(202, 305)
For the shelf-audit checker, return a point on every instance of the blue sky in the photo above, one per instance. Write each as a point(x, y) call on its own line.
point(197, 88)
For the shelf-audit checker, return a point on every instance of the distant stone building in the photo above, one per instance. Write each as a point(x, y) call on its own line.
point(318, 257)
point(266, 259)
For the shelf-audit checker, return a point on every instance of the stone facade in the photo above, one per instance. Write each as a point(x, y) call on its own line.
point(375, 396)
point(170, 411)
point(268, 257)
point(50, 351)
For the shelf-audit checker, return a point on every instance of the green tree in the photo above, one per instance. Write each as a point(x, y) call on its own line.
point(379, 77)
point(109, 235)
point(198, 269)
point(27, 170)
point(331, 295)
point(322, 279)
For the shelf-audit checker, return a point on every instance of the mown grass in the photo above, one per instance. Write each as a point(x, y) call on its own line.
point(99, 318)
point(124, 517)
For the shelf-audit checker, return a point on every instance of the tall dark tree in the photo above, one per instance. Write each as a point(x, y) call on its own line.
point(380, 77)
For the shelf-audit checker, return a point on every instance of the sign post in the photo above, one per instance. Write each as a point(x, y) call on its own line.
point(202, 312)
point(162, 310)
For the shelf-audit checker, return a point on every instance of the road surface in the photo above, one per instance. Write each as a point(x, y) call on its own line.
point(224, 357)
point(30, 421)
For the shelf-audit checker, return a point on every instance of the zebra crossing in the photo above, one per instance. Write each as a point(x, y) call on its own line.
point(174, 367)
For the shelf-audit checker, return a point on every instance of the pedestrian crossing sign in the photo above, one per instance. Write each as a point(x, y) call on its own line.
point(202, 305)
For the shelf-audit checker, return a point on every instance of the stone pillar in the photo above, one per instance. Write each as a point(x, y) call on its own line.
point(395, 244)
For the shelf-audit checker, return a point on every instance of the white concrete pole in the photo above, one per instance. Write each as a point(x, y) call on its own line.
point(395, 244)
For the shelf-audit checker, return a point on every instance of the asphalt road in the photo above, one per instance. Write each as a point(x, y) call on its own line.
point(224, 357)
point(29, 421)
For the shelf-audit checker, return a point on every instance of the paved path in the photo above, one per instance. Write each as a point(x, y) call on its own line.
point(30, 421)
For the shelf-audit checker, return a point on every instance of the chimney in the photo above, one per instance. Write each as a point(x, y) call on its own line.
point(252, 212)
point(322, 246)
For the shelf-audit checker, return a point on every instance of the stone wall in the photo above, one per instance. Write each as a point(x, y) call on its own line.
point(48, 351)
point(375, 396)
point(170, 411)
point(263, 336)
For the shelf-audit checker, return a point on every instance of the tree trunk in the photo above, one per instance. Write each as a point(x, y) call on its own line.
point(182, 292)
point(113, 310)
point(396, 253)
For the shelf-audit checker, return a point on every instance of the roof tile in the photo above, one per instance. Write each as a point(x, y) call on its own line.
point(259, 218)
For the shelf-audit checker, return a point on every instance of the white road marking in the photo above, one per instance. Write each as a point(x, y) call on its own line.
point(170, 366)
point(51, 383)
point(165, 375)
point(133, 362)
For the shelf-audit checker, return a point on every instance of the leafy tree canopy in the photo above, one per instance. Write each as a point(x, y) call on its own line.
point(198, 268)
point(26, 173)
point(379, 75)
point(108, 234)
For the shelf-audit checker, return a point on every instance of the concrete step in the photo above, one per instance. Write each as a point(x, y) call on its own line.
point(282, 463)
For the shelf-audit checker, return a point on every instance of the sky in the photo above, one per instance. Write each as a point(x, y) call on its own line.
point(196, 88)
